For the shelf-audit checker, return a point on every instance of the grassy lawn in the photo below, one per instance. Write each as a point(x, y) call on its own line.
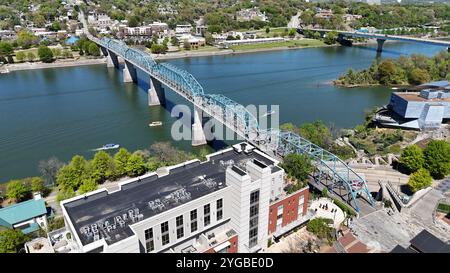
point(35, 52)
point(290, 44)
point(206, 48)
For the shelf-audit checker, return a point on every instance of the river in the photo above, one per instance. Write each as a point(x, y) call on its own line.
point(66, 111)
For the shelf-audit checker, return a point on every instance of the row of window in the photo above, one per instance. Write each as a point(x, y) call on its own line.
point(165, 238)
point(253, 222)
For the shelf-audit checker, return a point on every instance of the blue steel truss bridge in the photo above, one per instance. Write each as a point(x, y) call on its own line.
point(340, 178)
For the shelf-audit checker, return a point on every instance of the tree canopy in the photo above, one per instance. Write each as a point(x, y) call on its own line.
point(17, 190)
point(420, 180)
point(412, 158)
point(45, 54)
point(414, 69)
point(12, 240)
point(298, 166)
point(437, 158)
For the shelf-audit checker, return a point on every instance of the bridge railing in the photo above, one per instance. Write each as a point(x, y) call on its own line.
point(292, 143)
point(238, 118)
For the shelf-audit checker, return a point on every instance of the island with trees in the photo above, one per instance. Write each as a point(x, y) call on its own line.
point(406, 70)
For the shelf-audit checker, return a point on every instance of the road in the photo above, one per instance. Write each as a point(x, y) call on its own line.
point(294, 22)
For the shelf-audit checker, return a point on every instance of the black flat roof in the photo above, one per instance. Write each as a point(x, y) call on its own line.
point(426, 242)
point(193, 180)
point(400, 249)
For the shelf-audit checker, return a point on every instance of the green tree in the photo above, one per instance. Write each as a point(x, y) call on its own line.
point(135, 165)
point(186, 45)
point(30, 56)
point(330, 38)
point(316, 132)
point(437, 158)
point(175, 42)
point(102, 167)
point(419, 76)
point(419, 180)
point(209, 40)
point(17, 190)
point(20, 56)
point(64, 194)
point(320, 227)
point(298, 166)
point(12, 240)
point(56, 26)
point(93, 49)
point(38, 185)
point(6, 48)
point(71, 176)
point(292, 33)
point(87, 186)
point(157, 49)
point(390, 73)
point(120, 160)
point(412, 158)
point(267, 30)
point(25, 39)
point(45, 54)
point(57, 52)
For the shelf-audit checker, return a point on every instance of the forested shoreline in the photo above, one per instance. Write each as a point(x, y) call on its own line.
point(406, 70)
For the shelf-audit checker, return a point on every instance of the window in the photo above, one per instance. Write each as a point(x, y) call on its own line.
point(206, 209)
point(300, 205)
point(180, 229)
point(254, 210)
point(253, 221)
point(253, 237)
point(207, 220)
point(149, 244)
point(254, 197)
point(219, 206)
point(193, 220)
point(165, 233)
point(280, 210)
point(206, 215)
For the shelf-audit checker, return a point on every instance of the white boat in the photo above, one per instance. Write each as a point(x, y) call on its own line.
point(155, 123)
point(108, 147)
point(269, 113)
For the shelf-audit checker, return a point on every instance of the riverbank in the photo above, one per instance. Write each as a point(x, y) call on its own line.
point(191, 54)
point(57, 64)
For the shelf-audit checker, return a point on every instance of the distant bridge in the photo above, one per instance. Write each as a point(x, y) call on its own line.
point(381, 38)
point(233, 115)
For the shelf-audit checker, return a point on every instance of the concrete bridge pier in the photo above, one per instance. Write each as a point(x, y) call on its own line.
point(198, 135)
point(156, 94)
point(112, 60)
point(129, 72)
point(104, 51)
point(380, 43)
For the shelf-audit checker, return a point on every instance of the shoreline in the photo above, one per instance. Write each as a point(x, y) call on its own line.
point(194, 54)
point(170, 56)
point(57, 64)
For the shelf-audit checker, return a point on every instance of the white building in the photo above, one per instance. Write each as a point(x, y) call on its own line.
point(183, 29)
point(221, 205)
point(251, 14)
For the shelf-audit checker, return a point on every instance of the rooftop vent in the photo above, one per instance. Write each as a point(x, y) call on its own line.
point(238, 171)
point(259, 164)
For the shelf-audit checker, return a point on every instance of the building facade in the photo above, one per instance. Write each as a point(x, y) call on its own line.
point(225, 204)
point(425, 108)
